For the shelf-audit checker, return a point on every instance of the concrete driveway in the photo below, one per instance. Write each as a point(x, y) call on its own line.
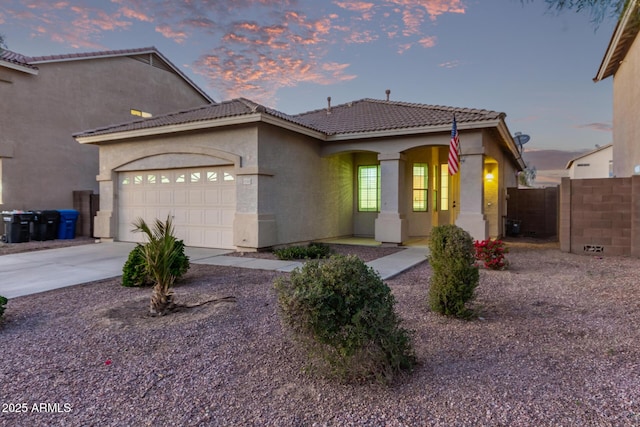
point(31, 272)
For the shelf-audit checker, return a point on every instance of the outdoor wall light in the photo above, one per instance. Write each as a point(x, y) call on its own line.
point(489, 176)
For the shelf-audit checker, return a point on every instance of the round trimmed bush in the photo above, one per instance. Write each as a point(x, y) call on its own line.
point(343, 314)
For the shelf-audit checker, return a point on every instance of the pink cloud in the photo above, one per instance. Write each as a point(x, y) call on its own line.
point(404, 47)
point(363, 37)
point(434, 8)
point(170, 33)
point(255, 46)
point(236, 74)
point(130, 13)
point(428, 42)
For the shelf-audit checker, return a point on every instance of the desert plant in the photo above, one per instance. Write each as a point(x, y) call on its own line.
point(455, 276)
point(343, 314)
point(3, 302)
point(160, 253)
point(312, 251)
point(491, 253)
point(134, 271)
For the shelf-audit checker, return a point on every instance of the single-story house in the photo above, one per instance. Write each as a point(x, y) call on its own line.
point(596, 163)
point(239, 175)
point(47, 98)
point(621, 61)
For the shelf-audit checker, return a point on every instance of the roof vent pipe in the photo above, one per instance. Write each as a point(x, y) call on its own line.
point(328, 105)
point(388, 92)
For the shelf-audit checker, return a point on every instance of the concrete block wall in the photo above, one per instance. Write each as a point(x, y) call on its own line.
point(600, 216)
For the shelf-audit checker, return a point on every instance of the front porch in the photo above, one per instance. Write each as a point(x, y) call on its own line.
point(400, 196)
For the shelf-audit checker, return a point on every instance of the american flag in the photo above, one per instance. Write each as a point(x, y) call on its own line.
point(454, 149)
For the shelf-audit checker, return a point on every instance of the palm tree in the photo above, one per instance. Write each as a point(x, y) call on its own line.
point(598, 9)
point(160, 253)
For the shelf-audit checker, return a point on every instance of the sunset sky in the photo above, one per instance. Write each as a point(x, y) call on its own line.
point(534, 65)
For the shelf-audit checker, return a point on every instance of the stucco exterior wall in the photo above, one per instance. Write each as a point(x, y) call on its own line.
point(41, 163)
point(626, 104)
point(233, 146)
point(309, 196)
point(594, 165)
point(363, 222)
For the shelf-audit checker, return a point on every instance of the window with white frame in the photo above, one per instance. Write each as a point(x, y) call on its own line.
point(444, 187)
point(369, 188)
point(420, 187)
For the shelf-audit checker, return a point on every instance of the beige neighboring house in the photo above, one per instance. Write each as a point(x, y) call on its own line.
point(597, 163)
point(622, 62)
point(242, 176)
point(47, 98)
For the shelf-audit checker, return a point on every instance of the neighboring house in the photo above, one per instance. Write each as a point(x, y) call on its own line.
point(622, 61)
point(45, 99)
point(594, 164)
point(242, 176)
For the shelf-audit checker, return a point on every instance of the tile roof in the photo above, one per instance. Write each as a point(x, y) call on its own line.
point(227, 109)
point(29, 61)
point(371, 115)
point(90, 55)
point(366, 115)
point(16, 58)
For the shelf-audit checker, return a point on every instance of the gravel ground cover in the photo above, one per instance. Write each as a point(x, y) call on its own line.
point(557, 343)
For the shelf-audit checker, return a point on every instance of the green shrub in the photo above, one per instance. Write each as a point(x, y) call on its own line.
point(3, 302)
point(455, 277)
point(343, 314)
point(134, 271)
point(312, 251)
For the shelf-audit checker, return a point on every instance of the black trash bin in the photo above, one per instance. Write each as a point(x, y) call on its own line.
point(17, 226)
point(513, 227)
point(45, 225)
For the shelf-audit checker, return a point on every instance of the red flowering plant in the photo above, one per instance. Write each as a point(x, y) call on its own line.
point(491, 254)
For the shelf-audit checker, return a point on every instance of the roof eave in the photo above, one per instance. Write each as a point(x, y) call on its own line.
point(511, 144)
point(18, 67)
point(87, 138)
point(410, 131)
point(84, 138)
point(607, 67)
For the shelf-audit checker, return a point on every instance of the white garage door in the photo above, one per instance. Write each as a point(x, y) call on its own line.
point(202, 202)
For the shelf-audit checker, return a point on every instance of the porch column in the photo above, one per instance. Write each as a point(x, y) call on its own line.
point(391, 223)
point(471, 216)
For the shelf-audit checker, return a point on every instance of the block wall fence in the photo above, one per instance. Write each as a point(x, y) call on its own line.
point(600, 216)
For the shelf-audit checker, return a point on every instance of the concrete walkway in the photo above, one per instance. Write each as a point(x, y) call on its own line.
point(38, 271)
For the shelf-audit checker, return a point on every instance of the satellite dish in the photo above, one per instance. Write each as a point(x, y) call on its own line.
point(521, 139)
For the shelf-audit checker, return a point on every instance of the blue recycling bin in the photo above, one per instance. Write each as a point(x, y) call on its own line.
point(67, 225)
